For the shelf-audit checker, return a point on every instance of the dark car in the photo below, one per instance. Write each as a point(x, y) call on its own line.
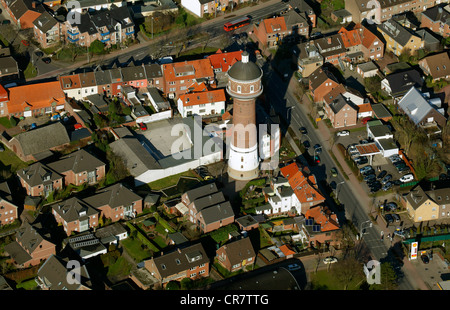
point(306, 144)
point(387, 186)
point(303, 130)
point(381, 175)
point(425, 259)
point(386, 179)
point(362, 160)
point(389, 219)
point(367, 172)
point(317, 148)
point(47, 60)
point(370, 177)
point(390, 206)
point(396, 217)
point(374, 189)
point(39, 54)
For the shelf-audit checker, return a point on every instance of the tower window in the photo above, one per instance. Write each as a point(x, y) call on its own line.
point(239, 89)
point(252, 88)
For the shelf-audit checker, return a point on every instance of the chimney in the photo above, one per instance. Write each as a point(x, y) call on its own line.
point(245, 57)
point(329, 40)
point(33, 4)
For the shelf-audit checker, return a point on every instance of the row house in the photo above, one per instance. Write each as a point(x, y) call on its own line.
point(321, 227)
point(423, 203)
point(79, 167)
point(75, 215)
point(206, 103)
point(353, 44)
point(23, 12)
point(331, 48)
point(236, 255)
point(112, 26)
point(221, 61)
point(39, 180)
point(321, 82)
point(361, 44)
point(201, 8)
point(289, 26)
point(31, 246)
point(189, 262)
point(83, 6)
point(380, 11)
point(302, 6)
point(34, 99)
point(180, 77)
point(399, 39)
point(208, 210)
point(8, 210)
point(437, 19)
point(116, 202)
point(47, 30)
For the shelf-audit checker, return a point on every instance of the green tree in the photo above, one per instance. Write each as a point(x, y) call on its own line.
point(97, 47)
point(388, 278)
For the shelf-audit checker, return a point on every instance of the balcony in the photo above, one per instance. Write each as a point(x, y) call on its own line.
point(104, 33)
point(105, 40)
point(129, 32)
point(73, 40)
point(72, 32)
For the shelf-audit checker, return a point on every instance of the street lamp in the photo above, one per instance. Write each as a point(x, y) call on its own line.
point(361, 226)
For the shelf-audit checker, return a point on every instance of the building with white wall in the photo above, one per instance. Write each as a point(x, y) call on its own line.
point(205, 103)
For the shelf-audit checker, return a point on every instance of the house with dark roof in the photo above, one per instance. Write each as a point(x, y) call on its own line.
point(47, 30)
point(31, 246)
point(8, 210)
point(399, 39)
point(236, 255)
point(399, 83)
point(332, 48)
point(307, 58)
point(188, 262)
point(321, 82)
point(116, 202)
point(304, 6)
point(75, 215)
point(24, 12)
point(39, 180)
point(437, 66)
point(53, 276)
point(341, 111)
point(208, 209)
point(38, 143)
point(9, 70)
point(437, 19)
point(79, 167)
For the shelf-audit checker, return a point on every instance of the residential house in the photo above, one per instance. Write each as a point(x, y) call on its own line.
point(307, 58)
point(103, 82)
point(116, 202)
point(331, 48)
point(39, 180)
point(83, 6)
point(302, 6)
point(321, 82)
point(88, 84)
point(189, 262)
point(398, 84)
point(371, 46)
point(427, 204)
point(75, 215)
point(383, 141)
point(134, 76)
point(79, 167)
point(353, 43)
point(53, 276)
point(379, 11)
point(341, 16)
point(208, 103)
point(9, 69)
point(221, 62)
point(421, 109)
point(8, 210)
point(203, 8)
point(47, 30)
point(236, 255)
point(341, 111)
point(367, 69)
point(437, 66)
point(399, 39)
point(188, 197)
point(431, 41)
point(109, 26)
point(71, 86)
point(155, 77)
point(23, 12)
point(180, 76)
point(38, 143)
point(31, 246)
point(321, 227)
point(35, 99)
point(209, 211)
point(437, 19)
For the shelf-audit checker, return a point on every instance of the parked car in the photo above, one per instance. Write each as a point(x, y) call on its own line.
point(370, 177)
point(343, 133)
point(317, 148)
point(381, 175)
point(367, 172)
point(334, 172)
point(390, 206)
point(142, 126)
point(365, 168)
point(387, 186)
point(47, 60)
point(361, 161)
point(303, 130)
point(365, 120)
point(330, 260)
point(386, 179)
point(407, 178)
point(306, 144)
point(396, 217)
point(375, 188)
point(389, 219)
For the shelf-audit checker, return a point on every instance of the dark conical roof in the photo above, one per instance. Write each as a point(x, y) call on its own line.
point(245, 70)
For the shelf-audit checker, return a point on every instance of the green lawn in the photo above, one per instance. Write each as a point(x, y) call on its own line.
point(30, 71)
point(134, 248)
point(120, 268)
point(324, 280)
point(5, 122)
point(169, 181)
point(10, 161)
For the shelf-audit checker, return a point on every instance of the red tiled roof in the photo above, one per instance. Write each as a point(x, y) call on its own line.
point(224, 60)
point(275, 25)
point(350, 37)
point(201, 68)
point(35, 96)
point(366, 107)
point(305, 187)
point(322, 216)
point(191, 99)
point(72, 81)
point(3, 94)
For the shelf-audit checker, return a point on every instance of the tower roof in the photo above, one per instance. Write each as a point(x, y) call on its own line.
point(245, 70)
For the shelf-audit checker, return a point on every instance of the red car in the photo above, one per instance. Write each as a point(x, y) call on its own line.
point(25, 42)
point(365, 120)
point(142, 126)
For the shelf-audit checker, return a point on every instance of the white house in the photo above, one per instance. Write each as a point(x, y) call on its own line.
point(202, 103)
point(367, 69)
point(383, 138)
